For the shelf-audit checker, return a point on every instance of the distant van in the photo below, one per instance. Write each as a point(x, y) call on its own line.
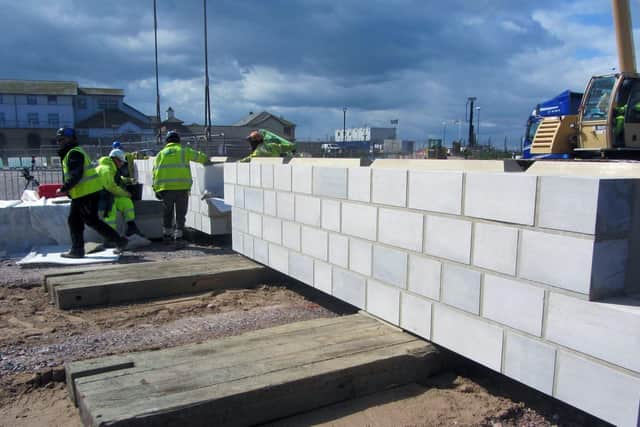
point(331, 149)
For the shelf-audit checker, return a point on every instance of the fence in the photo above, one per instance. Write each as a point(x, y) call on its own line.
point(13, 181)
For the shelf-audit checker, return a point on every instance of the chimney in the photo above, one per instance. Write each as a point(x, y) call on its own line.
point(170, 114)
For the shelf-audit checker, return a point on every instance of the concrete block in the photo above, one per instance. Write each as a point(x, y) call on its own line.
point(507, 197)
point(331, 215)
point(255, 172)
point(261, 251)
point(529, 361)
point(383, 301)
point(291, 235)
point(247, 246)
point(330, 182)
point(322, 277)
point(360, 257)
point(244, 174)
point(390, 266)
point(467, 335)
point(285, 205)
point(255, 224)
point(229, 173)
point(359, 184)
point(272, 230)
point(437, 191)
point(359, 220)
point(600, 390)
point(513, 303)
point(240, 220)
point(448, 238)
point(585, 205)
point(349, 287)
point(270, 205)
point(267, 176)
point(229, 194)
point(495, 247)
point(557, 260)
point(279, 258)
point(314, 242)
point(237, 242)
point(461, 288)
point(424, 276)
point(389, 187)
point(400, 228)
point(307, 210)
point(282, 177)
point(239, 197)
point(301, 268)
point(608, 331)
point(415, 315)
point(253, 200)
point(301, 176)
point(339, 250)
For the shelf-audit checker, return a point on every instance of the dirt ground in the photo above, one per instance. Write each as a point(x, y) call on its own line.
point(36, 339)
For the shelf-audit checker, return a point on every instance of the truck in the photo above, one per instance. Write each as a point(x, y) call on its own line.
point(603, 127)
point(564, 104)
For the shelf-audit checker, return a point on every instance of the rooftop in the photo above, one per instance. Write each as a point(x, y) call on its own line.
point(38, 87)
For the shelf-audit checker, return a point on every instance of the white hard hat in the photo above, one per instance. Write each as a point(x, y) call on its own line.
point(118, 154)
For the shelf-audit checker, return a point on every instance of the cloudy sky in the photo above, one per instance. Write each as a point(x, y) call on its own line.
point(412, 60)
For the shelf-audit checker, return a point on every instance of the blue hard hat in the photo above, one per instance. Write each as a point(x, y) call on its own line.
point(68, 132)
point(116, 144)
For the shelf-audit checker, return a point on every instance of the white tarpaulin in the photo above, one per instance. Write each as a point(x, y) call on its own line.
point(52, 255)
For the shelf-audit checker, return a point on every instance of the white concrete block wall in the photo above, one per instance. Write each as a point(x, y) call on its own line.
point(389, 187)
point(487, 278)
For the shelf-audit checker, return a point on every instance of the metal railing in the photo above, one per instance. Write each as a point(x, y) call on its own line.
point(13, 181)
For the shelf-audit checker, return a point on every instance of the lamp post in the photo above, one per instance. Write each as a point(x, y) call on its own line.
point(459, 123)
point(444, 133)
point(469, 106)
point(478, 123)
point(344, 125)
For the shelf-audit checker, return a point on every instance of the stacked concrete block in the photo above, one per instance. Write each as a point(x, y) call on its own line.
point(498, 267)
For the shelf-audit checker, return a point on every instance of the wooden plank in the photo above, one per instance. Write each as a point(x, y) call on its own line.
point(255, 378)
point(155, 280)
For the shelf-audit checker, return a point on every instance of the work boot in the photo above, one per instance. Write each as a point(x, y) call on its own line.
point(121, 244)
point(132, 229)
point(167, 235)
point(178, 238)
point(73, 254)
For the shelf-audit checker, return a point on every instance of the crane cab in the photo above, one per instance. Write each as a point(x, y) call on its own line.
point(608, 122)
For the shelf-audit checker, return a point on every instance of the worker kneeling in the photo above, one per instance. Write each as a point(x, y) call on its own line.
point(267, 144)
point(114, 197)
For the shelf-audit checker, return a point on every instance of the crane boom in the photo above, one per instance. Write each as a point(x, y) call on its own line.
point(624, 36)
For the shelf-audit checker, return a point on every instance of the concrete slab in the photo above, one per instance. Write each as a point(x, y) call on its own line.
point(251, 378)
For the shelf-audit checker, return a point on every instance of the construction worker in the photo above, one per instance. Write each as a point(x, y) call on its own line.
point(267, 144)
point(172, 182)
point(125, 170)
point(618, 127)
point(82, 183)
point(115, 198)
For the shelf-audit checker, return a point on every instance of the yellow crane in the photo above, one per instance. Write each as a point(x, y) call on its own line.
point(608, 122)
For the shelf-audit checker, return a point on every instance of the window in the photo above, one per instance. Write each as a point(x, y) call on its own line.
point(32, 99)
point(2, 119)
point(288, 130)
point(1, 99)
point(81, 103)
point(52, 99)
point(54, 120)
point(596, 106)
point(3, 140)
point(32, 119)
point(107, 103)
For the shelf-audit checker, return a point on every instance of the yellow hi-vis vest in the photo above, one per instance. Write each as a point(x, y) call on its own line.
point(89, 183)
point(171, 169)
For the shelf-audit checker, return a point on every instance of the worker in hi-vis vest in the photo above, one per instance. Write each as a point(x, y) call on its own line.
point(114, 197)
point(267, 144)
point(82, 183)
point(172, 182)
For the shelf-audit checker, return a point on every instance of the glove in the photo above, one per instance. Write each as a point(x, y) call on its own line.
point(159, 195)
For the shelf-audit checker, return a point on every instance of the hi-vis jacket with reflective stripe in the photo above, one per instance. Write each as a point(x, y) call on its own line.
point(90, 182)
point(107, 171)
point(171, 167)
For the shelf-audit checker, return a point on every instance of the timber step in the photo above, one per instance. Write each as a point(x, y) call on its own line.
point(250, 378)
point(134, 282)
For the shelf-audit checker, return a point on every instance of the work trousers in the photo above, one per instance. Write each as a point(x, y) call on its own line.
point(84, 210)
point(124, 205)
point(178, 201)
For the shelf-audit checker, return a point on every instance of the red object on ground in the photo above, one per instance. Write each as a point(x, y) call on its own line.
point(48, 190)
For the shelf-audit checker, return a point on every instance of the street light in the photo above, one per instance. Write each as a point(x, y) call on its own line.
point(344, 125)
point(478, 124)
point(444, 133)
